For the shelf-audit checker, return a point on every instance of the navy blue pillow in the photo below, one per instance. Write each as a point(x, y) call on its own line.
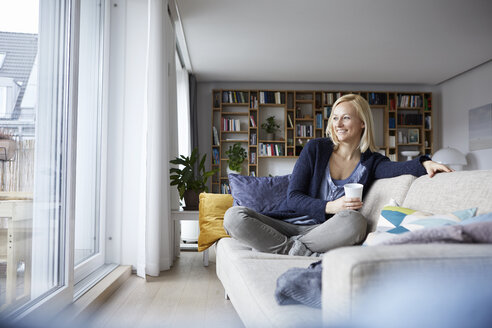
point(262, 194)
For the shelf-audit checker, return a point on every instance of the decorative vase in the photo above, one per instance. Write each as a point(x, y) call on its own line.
point(229, 170)
point(191, 199)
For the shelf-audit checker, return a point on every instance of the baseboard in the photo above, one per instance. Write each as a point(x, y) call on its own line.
point(98, 294)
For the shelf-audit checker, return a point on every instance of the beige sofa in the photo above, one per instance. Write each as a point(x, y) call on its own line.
point(249, 278)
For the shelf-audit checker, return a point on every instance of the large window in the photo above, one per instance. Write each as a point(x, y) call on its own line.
point(44, 141)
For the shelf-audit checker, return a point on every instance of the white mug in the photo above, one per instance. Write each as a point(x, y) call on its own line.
point(353, 190)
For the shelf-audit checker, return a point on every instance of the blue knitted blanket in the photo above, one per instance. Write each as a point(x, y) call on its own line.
point(300, 286)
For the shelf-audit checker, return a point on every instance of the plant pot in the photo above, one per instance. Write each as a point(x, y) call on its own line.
point(270, 136)
point(231, 171)
point(7, 149)
point(191, 199)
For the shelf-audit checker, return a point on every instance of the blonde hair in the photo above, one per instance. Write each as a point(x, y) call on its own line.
point(365, 115)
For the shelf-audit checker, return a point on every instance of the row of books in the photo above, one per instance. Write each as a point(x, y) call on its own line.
point(271, 149)
point(410, 119)
point(327, 111)
point(216, 136)
point(376, 98)
point(252, 121)
point(410, 101)
point(235, 97)
point(229, 124)
point(215, 156)
point(304, 130)
point(272, 97)
point(330, 97)
point(253, 101)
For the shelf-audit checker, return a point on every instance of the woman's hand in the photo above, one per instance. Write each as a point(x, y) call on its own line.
point(433, 168)
point(342, 204)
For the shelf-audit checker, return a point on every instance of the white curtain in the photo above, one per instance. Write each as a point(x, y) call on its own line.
point(155, 229)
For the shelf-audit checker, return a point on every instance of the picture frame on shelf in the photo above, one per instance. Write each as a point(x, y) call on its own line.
point(413, 136)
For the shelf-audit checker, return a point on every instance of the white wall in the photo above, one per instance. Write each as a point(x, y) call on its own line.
point(284, 166)
point(459, 95)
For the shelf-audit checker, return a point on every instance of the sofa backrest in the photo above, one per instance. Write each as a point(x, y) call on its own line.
point(380, 194)
point(449, 192)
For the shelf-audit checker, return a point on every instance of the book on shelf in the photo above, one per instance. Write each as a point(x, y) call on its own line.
point(252, 174)
point(428, 122)
point(216, 136)
point(224, 188)
point(327, 111)
point(328, 98)
point(231, 124)
point(234, 97)
point(391, 123)
point(272, 97)
point(410, 119)
point(304, 130)
point(392, 141)
point(375, 98)
point(252, 120)
point(216, 156)
point(319, 121)
point(291, 124)
point(271, 149)
point(392, 104)
point(252, 158)
point(410, 101)
point(252, 139)
point(253, 101)
point(392, 157)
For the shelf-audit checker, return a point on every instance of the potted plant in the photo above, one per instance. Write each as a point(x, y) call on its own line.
point(189, 179)
point(236, 155)
point(8, 145)
point(270, 126)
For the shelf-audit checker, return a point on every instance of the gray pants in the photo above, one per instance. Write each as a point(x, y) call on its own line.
point(270, 235)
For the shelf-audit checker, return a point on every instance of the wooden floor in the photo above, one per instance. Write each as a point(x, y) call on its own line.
point(188, 295)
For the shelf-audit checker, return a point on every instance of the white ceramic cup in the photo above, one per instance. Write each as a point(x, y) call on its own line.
point(353, 190)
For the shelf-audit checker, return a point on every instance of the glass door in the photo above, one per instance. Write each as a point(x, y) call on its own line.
point(89, 224)
point(36, 158)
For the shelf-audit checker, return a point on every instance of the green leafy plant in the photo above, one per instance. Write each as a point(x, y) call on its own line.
point(236, 155)
point(270, 126)
point(189, 177)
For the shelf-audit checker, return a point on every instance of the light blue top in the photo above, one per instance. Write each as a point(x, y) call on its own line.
point(330, 190)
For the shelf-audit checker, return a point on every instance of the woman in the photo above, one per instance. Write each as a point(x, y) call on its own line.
point(325, 218)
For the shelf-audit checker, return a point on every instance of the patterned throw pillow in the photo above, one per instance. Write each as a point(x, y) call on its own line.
point(396, 220)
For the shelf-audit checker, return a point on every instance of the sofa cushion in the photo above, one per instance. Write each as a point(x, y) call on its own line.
point(262, 194)
point(211, 217)
point(448, 192)
point(395, 220)
point(380, 193)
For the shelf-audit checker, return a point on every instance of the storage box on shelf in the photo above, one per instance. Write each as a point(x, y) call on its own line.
point(403, 121)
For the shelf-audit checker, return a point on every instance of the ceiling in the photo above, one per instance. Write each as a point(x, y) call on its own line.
point(339, 41)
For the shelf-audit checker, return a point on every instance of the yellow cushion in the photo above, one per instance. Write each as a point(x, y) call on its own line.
point(212, 208)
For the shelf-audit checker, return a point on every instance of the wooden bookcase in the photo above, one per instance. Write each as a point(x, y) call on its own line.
point(403, 121)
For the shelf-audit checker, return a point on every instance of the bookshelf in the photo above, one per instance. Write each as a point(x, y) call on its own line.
point(403, 121)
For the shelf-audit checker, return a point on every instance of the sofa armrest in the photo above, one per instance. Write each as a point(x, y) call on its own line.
point(349, 271)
